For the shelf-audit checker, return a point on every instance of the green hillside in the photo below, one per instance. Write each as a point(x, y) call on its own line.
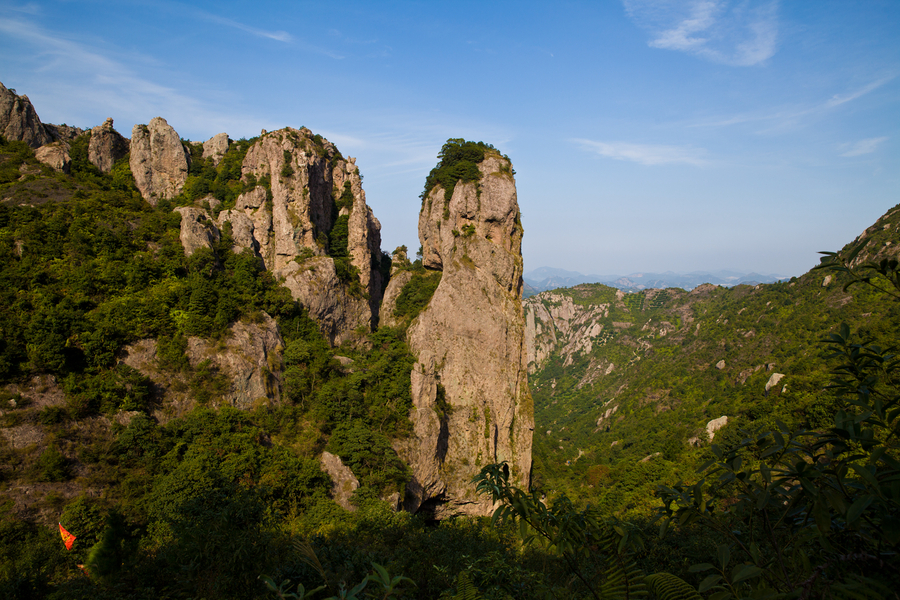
point(681, 359)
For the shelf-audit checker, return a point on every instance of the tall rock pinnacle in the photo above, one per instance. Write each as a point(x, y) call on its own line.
point(471, 404)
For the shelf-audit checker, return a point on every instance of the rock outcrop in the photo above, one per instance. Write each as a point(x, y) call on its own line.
point(310, 226)
point(106, 146)
point(344, 482)
point(55, 155)
point(471, 404)
point(247, 362)
point(216, 147)
point(19, 120)
point(159, 161)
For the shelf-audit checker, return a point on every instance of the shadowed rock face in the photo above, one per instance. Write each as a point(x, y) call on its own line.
point(106, 146)
point(19, 120)
point(469, 385)
point(159, 161)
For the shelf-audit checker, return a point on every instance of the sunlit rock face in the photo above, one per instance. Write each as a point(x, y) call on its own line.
point(159, 161)
point(306, 193)
point(469, 385)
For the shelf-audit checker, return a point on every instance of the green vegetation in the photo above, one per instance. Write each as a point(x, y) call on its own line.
point(458, 162)
point(416, 294)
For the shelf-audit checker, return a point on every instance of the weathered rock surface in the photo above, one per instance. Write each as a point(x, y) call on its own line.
point(471, 404)
point(19, 120)
point(716, 424)
point(106, 146)
point(288, 227)
point(389, 302)
point(345, 482)
point(159, 161)
point(773, 380)
point(198, 230)
point(63, 132)
point(216, 147)
point(55, 155)
point(248, 359)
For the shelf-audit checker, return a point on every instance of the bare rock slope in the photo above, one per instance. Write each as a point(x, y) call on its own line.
point(471, 404)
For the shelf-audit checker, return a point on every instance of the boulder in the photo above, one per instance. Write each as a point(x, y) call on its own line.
point(343, 479)
point(248, 358)
point(773, 381)
point(713, 426)
point(55, 155)
point(159, 161)
point(107, 146)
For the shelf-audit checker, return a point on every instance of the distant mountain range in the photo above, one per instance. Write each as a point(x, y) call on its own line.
point(549, 278)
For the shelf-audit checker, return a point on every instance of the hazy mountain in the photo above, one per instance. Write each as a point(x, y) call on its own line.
point(549, 278)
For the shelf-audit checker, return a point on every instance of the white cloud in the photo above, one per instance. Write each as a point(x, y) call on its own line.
point(866, 146)
point(645, 154)
point(737, 33)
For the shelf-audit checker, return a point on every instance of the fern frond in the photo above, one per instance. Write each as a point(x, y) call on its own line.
point(666, 586)
point(465, 589)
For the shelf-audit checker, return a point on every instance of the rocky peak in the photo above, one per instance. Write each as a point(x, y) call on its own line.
point(469, 385)
point(159, 161)
point(19, 120)
point(216, 147)
point(106, 146)
point(308, 221)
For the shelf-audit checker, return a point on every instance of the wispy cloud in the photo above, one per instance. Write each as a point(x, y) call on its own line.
point(645, 154)
point(790, 115)
point(29, 9)
point(88, 80)
point(732, 33)
point(280, 36)
point(867, 146)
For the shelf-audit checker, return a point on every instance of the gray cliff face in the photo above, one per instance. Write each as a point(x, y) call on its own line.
point(471, 404)
point(288, 228)
point(106, 146)
point(159, 161)
point(19, 120)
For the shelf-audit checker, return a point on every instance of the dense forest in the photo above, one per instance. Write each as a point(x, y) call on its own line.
point(797, 497)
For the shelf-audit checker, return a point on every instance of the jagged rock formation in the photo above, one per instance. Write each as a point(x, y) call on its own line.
point(19, 120)
point(55, 155)
point(159, 161)
point(248, 360)
point(106, 146)
point(471, 404)
point(293, 227)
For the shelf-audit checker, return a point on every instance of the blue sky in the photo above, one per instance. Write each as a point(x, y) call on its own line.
point(647, 135)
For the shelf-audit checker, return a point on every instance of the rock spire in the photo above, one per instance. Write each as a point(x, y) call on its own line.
point(469, 384)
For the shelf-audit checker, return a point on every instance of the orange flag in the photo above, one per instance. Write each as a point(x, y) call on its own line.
point(67, 537)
